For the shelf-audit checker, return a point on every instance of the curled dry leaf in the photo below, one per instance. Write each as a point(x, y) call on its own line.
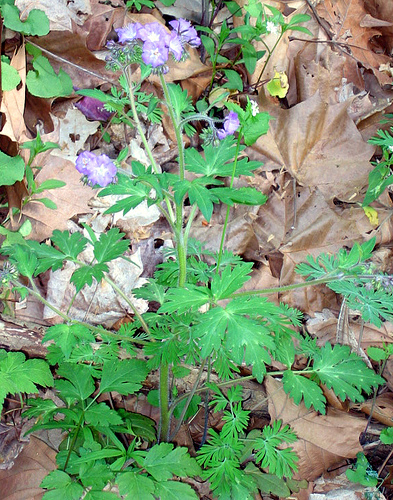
point(323, 440)
point(13, 101)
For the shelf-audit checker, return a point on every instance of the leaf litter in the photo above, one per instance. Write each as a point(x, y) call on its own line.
point(316, 164)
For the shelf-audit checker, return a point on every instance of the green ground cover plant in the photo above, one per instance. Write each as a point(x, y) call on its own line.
point(204, 320)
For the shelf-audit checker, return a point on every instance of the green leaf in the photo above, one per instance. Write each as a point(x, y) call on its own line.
point(138, 425)
point(267, 483)
point(254, 127)
point(12, 169)
point(230, 280)
point(43, 81)
point(387, 435)
point(20, 375)
point(36, 24)
point(151, 291)
point(85, 274)
point(185, 299)
point(71, 244)
point(363, 473)
point(180, 99)
point(68, 336)
point(215, 159)
point(209, 45)
point(244, 196)
point(163, 462)
point(125, 185)
point(234, 82)
point(49, 184)
point(10, 78)
point(100, 495)
point(298, 386)
point(101, 415)
point(47, 255)
point(373, 304)
point(110, 246)
point(345, 372)
point(48, 203)
point(202, 197)
point(134, 485)
point(24, 259)
point(79, 384)
point(377, 354)
point(62, 487)
point(123, 376)
point(94, 474)
point(169, 490)
point(281, 462)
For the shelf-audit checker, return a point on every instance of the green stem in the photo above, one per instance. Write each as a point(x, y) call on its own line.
point(127, 75)
point(224, 229)
point(176, 126)
point(120, 292)
point(181, 249)
point(164, 402)
point(268, 59)
point(68, 319)
point(314, 282)
point(189, 398)
point(74, 439)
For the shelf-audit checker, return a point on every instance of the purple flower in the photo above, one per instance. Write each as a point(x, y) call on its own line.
point(83, 162)
point(129, 32)
point(231, 124)
point(98, 169)
point(154, 54)
point(186, 32)
point(175, 46)
point(154, 33)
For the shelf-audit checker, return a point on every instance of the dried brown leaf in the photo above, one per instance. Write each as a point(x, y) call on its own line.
point(22, 481)
point(354, 29)
point(67, 50)
point(71, 199)
point(321, 147)
point(13, 102)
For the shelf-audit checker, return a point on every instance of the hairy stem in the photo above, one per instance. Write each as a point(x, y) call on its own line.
point(164, 403)
point(224, 229)
point(189, 398)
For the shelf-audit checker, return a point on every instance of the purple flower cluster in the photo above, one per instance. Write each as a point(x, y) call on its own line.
point(97, 169)
point(157, 43)
point(231, 124)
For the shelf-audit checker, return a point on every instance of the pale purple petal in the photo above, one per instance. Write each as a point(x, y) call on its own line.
point(129, 32)
point(84, 162)
point(175, 46)
point(186, 32)
point(154, 33)
point(231, 124)
point(103, 171)
point(154, 54)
